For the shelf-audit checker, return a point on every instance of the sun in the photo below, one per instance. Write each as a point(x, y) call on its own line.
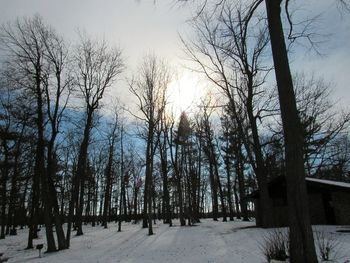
point(184, 94)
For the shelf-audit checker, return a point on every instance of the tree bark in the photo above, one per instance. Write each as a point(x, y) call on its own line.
point(164, 169)
point(4, 177)
point(107, 198)
point(229, 186)
point(81, 172)
point(149, 174)
point(302, 248)
point(39, 165)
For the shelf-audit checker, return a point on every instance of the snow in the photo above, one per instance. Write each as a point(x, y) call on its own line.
point(329, 182)
point(208, 241)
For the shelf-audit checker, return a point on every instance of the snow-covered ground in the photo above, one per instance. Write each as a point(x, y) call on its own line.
point(209, 241)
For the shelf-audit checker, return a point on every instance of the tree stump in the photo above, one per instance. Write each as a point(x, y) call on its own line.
point(39, 247)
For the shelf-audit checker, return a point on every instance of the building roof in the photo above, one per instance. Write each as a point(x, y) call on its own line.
point(328, 182)
point(279, 182)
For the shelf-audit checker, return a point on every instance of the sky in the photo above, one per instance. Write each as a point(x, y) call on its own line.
point(333, 64)
point(141, 26)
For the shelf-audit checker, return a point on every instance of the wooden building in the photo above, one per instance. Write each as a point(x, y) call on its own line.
point(329, 201)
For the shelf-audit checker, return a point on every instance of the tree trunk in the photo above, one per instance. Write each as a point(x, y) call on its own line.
point(108, 186)
point(81, 173)
point(149, 175)
point(145, 204)
point(39, 167)
point(52, 200)
point(238, 209)
point(214, 192)
point(229, 186)
point(180, 197)
point(239, 168)
point(80, 205)
point(164, 169)
point(33, 221)
point(302, 248)
point(178, 177)
point(4, 178)
point(14, 182)
point(166, 198)
point(122, 185)
point(198, 183)
point(217, 177)
point(267, 219)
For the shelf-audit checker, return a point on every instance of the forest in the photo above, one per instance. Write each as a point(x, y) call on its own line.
point(73, 154)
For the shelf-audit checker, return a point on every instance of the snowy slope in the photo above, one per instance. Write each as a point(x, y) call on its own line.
point(209, 241)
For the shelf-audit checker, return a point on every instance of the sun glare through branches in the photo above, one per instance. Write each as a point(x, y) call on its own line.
point(184, 94)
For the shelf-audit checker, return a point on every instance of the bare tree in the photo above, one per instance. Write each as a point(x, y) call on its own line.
point(162, 135)
point(97, 68)
point(112, 137)
point(229, 50)
point(302, 243)
point(150, 91)
point(173, 140)
point(302, 246)
point(210, 151)
point(321, 122)
point(13, 136)
point(30, 45)
point(234, 156)
point(57, 88)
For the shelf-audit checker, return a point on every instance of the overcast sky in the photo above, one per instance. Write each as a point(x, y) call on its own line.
point(136, 26)
point(142, 26)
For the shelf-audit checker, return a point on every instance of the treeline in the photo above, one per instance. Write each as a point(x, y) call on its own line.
point(64, 162)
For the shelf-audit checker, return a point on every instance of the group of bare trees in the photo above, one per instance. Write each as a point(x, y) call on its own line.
point(36, 69)
point(39, 77)
point(232, 38)
point(63, 160)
